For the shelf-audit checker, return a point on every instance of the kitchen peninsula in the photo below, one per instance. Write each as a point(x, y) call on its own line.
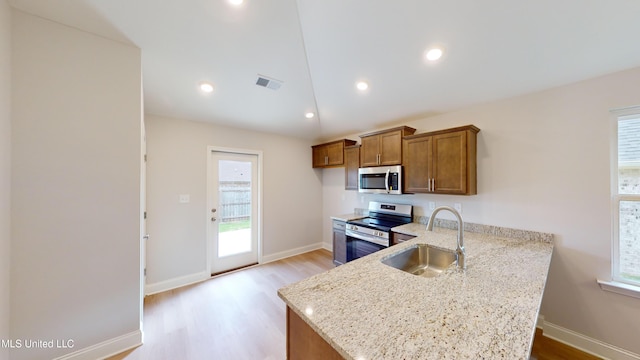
point(367, 310)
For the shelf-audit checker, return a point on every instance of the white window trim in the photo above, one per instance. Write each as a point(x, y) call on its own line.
point(620, 288)
point(617, 284)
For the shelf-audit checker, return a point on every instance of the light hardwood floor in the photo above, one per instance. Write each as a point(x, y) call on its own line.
point(239, 316)
point(232, 316)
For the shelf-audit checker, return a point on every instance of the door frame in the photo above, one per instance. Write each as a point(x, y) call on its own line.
point(211, 190)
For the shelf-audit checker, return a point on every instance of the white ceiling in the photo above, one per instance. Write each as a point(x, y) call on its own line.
point(319, 48)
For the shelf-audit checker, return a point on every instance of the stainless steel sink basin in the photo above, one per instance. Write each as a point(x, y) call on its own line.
point(421, 260)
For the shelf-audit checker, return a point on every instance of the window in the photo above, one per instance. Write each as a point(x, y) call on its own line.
point(626, 197)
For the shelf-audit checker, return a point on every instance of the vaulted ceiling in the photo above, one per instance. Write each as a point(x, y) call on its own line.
point(317, 50)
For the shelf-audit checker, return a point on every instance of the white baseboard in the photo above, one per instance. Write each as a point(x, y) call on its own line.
point(107, 348)
point(175, 283)
point(328, 246)
point(584, 343)
point(181, 281)
point(292, 252)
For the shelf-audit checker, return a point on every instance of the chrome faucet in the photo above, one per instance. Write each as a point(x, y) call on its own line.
point(460, 242)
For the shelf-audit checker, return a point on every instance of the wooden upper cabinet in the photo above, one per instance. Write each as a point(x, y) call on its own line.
point(441, 162)
point(383, 147)
point(417, 155)
point(330, 154)
point(351, 165)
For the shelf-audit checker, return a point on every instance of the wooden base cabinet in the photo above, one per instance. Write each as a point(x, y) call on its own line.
point(397, 238)
point(441, 162)
point(303, 343)
point(339, 242)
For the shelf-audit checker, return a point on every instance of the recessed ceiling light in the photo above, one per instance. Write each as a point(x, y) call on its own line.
point(433, 54)
point(309, 115)
point(206, 87)
point(236, 2)
point(362, 85)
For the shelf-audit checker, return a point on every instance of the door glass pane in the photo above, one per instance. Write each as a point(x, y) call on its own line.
point(629, 238)
point(234, 227)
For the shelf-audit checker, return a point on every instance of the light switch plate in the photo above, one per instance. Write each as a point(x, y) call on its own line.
point(432, 205)
point(184, 198)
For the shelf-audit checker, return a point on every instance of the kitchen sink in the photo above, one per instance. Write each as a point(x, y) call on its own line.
point(421, 260)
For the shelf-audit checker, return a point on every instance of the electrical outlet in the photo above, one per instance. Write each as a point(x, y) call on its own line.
point(458, 207)
point(432, 205)
point(184, 198)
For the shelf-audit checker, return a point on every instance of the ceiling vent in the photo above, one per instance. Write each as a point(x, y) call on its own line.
point(269, 83)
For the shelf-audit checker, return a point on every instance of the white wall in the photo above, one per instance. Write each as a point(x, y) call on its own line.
point(75, 250)
point(5, 170)
point(543, 164)
point(177, 164)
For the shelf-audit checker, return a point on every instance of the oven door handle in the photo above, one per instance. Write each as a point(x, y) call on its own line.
point(386, 181)
point(364, 237)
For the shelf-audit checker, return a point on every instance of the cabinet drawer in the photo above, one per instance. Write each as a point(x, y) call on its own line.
point(339, 225)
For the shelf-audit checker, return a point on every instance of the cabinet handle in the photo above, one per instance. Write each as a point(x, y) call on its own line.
point(431, 184)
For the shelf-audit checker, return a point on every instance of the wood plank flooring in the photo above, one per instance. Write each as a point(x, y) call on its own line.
point(235, 316)
point(239, 316)
point(545, 348)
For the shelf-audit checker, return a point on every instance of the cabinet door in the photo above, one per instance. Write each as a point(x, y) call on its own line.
point(335, 154)
point(319, 156)
point(352, 163)
point(339, 243)
point(450, 162)
point(417, 166)
point(391, 148)
point(370, 150)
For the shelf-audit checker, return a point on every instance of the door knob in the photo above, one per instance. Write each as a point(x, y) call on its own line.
point(213, 219)
point(213, 210)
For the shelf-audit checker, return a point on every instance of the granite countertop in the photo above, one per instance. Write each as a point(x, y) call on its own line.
point(347, 217)
point(367, 310)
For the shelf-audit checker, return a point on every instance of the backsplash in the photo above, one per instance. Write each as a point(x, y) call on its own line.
point(479, 228)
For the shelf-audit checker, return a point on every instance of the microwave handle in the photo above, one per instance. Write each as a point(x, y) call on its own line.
point(386, 181)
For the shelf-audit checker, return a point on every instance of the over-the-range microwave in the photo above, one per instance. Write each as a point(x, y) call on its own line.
point(380, 179)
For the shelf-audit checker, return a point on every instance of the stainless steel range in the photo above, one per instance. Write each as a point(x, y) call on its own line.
point(373, 233)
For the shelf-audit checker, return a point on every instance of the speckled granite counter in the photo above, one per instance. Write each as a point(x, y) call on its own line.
point(366, 310)
point(347, 217)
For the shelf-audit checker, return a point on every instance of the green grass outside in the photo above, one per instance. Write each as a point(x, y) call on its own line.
point(235, 225)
